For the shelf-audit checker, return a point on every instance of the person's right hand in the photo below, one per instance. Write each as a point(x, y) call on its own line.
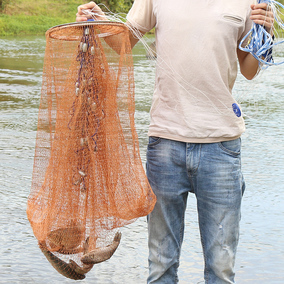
point(82, 16)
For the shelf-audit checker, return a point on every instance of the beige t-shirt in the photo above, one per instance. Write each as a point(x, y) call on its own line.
point(196, 68)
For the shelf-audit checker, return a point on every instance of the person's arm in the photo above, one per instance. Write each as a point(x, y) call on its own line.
point(260, 14)
point(100, 16)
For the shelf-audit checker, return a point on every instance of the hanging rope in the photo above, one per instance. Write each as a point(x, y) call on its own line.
point(260, 42)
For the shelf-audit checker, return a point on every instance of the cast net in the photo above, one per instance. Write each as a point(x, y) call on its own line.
point(88, 179)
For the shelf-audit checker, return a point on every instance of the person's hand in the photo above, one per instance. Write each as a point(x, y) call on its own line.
point(90, 11)
point(262, 14)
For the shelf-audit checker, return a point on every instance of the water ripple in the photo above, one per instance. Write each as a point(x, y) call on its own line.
point(260, 255)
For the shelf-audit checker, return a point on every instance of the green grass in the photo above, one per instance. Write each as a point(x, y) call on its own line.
point(34, 17)
point(31, 25)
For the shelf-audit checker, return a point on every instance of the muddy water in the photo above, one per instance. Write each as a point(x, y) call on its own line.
point(261, 251)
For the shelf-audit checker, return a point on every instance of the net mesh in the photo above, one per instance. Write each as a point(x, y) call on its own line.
point(88, 179)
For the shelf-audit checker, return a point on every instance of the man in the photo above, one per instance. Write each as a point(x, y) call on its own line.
point(194, 134)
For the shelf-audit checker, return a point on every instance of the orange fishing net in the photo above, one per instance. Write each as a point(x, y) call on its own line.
point(88, 179)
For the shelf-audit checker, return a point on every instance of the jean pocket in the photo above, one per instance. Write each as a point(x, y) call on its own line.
point(232, 147)
point(153, 140)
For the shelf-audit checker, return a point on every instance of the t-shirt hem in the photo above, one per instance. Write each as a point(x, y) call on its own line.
point(193, 139)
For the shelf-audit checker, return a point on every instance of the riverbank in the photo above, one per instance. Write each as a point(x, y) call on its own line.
point(34, 17)
point(31, 25)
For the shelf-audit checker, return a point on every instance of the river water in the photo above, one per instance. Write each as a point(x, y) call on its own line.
point(260, 256)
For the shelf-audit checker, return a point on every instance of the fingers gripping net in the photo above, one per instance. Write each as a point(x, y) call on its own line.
point(88, 179)
point(259, 42)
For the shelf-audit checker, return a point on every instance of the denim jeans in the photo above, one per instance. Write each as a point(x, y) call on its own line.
point(213, 173)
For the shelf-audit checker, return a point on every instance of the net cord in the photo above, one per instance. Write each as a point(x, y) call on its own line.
point(260, 41)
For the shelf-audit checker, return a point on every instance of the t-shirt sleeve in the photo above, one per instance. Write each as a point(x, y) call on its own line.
point(141, 15)
point(248, 26)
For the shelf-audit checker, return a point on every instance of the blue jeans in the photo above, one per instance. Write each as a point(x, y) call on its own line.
point(213, 173)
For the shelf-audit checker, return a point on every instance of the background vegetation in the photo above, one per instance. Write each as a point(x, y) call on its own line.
point(36, 16)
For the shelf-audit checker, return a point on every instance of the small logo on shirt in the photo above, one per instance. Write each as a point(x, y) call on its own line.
point(236, 110)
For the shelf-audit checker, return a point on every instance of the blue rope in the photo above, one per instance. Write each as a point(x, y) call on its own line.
point(260, 42)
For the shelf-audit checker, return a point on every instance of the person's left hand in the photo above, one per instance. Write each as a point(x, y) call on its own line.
point(262, 14)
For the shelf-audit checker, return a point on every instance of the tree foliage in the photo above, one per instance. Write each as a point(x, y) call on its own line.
point(117, 6)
